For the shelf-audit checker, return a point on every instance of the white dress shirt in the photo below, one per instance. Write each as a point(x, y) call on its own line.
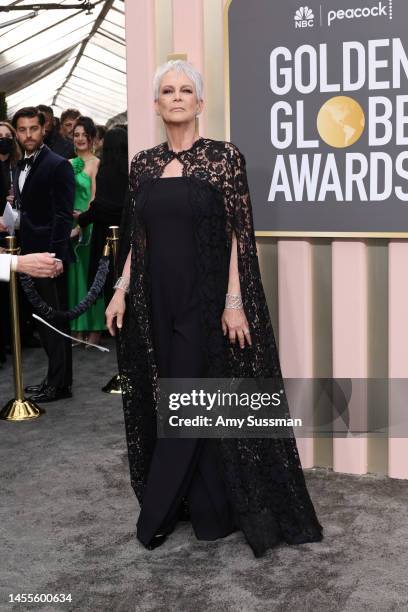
point(5, 265)
point(23, 174)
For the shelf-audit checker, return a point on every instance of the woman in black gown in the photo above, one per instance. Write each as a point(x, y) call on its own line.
point(190, 304)
point(110, 194)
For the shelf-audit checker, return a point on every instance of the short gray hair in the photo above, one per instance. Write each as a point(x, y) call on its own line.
point(178, 66)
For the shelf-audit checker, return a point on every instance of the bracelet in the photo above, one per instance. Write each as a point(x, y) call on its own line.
point(122, 283)
point(233, 300)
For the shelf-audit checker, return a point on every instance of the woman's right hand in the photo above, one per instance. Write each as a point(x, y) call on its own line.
point(115, 310)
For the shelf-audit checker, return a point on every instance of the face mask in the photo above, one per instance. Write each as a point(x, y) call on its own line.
point(6, 144)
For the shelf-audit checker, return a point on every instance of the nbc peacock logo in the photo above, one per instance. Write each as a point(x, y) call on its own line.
point(304, 17)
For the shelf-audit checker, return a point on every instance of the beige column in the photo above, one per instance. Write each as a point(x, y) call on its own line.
point(349, 296)
point(188, 37)
point(140, 66)
point(295, 327)
point(398, 353)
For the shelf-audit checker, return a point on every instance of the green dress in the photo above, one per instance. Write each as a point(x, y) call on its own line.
point(94, 318)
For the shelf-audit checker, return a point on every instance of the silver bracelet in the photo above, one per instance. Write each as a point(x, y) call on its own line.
point(233, 300)
point(122, 283)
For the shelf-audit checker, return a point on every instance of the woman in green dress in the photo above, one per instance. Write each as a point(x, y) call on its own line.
point(85, 166)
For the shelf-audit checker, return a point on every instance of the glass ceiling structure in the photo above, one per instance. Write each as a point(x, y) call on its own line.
point(65, 58)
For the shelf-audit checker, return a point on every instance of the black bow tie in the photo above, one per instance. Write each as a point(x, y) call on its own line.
point(26, 162)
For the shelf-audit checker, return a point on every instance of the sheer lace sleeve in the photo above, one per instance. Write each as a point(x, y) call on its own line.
point(255, 362)
point(129, 221)
point(134, 344)
point(242, 217)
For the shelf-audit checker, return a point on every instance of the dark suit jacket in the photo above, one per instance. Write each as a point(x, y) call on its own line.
point(60, 145)
point(46, 204)
point(3, 189)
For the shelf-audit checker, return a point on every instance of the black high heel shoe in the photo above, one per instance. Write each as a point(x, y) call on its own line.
point(157, 541)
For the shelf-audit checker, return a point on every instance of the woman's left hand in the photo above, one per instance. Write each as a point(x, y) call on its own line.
point(234, 322)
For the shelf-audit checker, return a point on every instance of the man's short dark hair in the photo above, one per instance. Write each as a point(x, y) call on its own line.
point(100, 131)
point(70, 113)
point(31, 112)
point(45, 109)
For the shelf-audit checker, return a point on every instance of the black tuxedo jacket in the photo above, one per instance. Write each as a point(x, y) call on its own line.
point(60, 145)
point(46, 204)
point(3, 189)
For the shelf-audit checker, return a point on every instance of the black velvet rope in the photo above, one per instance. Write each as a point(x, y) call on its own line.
point(49, 313)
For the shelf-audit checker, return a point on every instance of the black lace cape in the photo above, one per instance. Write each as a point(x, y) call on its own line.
point(264, 477)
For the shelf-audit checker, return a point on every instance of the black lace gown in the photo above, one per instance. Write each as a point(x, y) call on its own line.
point(261, 479)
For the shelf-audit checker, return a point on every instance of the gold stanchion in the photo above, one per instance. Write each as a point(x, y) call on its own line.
point(19, 408)
point(114, 239)
point(111, 247)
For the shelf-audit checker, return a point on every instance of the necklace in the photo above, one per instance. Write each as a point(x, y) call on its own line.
point(88, 158)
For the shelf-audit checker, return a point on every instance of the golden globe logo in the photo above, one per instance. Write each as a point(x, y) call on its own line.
point(340, 121)
point(304, 17)
point(376, 169)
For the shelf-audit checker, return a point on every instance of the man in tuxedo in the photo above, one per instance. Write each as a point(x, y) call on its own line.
point(44, 195)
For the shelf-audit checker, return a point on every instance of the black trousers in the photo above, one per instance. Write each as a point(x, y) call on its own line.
point(183, 468)
point(58, 349)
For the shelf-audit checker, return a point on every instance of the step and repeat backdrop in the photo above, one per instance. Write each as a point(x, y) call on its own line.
point(318, 97)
